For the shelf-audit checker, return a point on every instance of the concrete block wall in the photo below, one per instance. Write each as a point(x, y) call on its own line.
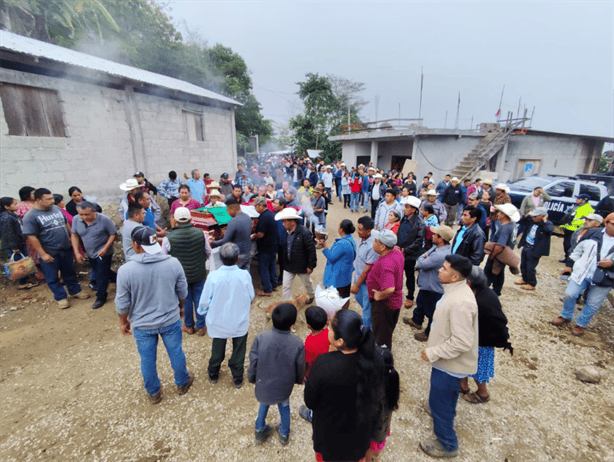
point(98, 153)
point(558, 155)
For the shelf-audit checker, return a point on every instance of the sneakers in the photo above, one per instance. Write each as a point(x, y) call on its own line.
point(81, 295)
point(421, 337)
point(434, 448)
point(183, 389)
point(64, 303)
point(238, 381)
point(282, 439)
point(305, 413)
point(98, 303)
point(213, 378)
point(155, 399)
point(262, 435)
point(410, 322)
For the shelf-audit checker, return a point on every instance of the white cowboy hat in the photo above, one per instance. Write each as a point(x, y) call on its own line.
point(432, 192)
point(413, 201)
point(288, 214)
point(130, 184)
point(510, 210)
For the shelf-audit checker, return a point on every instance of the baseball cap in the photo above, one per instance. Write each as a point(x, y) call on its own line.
point(146, 238)
point(539, 211)
point(386, 237)
point(141, 174)
point(445, 232)
point(224, 175)
point(595, 216)
point(584, 197)
point(182, 215)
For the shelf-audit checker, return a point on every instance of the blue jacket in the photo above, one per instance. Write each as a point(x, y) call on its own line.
point(340, 262)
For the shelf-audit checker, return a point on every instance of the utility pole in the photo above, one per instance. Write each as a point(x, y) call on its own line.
point(376, 106)
point(457, 110)
point(421, 86)
point(445, 124)
point(399, 114)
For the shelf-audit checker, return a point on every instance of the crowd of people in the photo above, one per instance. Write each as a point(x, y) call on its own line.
point(443, 232)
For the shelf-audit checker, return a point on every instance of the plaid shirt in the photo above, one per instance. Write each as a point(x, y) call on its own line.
point(169, 189)
point(243, 182)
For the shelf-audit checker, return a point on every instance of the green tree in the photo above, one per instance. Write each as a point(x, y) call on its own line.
point(325, 111)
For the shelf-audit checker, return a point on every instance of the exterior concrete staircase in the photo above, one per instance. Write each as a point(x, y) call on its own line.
point(488, 146)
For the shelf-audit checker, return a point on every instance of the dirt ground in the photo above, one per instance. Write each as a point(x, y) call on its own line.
point(72, 390)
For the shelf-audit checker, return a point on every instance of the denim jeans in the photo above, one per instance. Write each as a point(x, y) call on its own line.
point(101, 269)
point(195, 289)
point(362, 297)
point(284, 413)
point(267, 269)
point(354, 203)
point(443, 398)
point(596, 296)
point(528, 265)
point(147, 344)
point(62, 262)
point(366, 202)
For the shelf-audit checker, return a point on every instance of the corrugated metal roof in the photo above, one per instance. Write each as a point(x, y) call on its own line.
point(25, 45)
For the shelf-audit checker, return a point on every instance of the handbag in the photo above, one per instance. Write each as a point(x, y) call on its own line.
point(21, 268)
point(603, 278)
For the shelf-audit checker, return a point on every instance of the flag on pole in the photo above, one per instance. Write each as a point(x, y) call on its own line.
point(498, 113)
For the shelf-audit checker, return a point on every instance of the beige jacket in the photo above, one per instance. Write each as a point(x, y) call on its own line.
point(453, 341)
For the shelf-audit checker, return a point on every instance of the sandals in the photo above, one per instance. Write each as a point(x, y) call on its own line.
point(475, 398)
point(409, 303)
point(560, 321)
point(520, 283)
point(463, 391)
point(263, 294)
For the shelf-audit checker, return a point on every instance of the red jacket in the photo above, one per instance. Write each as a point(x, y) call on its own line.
point(356, 185)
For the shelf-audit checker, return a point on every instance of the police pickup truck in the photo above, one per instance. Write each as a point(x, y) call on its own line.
point(562, 190)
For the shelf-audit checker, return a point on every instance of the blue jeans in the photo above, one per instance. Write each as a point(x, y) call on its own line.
point(195, 289)
point(443, 398)
point(366, 202)
point(147, 344)
point(354, 203)
point(101, 270)
point(62, 262)
point(596, 296)
point(267, 268)
point(284, 413)
point(362, 297)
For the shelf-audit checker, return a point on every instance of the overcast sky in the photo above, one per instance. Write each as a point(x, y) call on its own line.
point(556, 56)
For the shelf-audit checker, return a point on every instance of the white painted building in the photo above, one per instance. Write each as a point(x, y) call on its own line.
point(511, 153)
point(72, 119)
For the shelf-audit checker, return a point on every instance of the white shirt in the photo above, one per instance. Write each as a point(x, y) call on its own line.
point(375, 192)
point(608, 242)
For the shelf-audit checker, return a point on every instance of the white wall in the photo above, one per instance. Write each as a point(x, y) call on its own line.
point(100, 150)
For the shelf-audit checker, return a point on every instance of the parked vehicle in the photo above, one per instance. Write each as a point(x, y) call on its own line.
point(562, 190)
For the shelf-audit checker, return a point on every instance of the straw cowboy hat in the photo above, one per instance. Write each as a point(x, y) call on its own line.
point(510, 210)
point(130, 184)
point(288, 214)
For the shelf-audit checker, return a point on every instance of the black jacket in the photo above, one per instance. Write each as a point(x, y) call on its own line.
point(492, 322)
point(472, 245)
point(303, 254)
point(453, 195)
point(300, 174)
point(410, 236)
point(541, 247)
point(10, 231)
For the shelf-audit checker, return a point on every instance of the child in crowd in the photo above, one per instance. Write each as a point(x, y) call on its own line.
point(388, 402)
point(276, 363)
point(317, 342)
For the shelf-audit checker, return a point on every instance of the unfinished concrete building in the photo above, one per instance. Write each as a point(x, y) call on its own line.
point(69, 118)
